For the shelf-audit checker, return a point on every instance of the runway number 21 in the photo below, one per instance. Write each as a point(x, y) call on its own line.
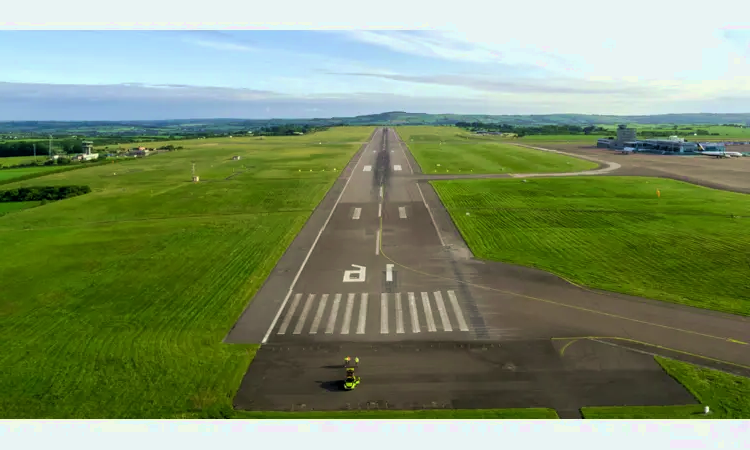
point(355, 276)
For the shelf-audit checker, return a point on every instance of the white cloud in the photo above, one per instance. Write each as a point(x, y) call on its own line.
point(219, 45)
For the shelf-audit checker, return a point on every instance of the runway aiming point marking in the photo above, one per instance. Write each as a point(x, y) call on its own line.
point(355, 276)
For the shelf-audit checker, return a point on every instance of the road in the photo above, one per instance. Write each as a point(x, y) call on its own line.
point(380, 266)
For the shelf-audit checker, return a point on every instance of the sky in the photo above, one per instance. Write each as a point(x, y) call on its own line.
point(518, 64)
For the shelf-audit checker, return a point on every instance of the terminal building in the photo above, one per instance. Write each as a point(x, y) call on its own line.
point(626, 138)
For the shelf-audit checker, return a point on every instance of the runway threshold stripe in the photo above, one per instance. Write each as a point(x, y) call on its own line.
point(428, 313)
point(384, 313)
point(413, 313)
point(332, 315)
point(319, 314)
point(303, 316)
point(362, 314)
point(357, 213)
point(290, 314)
point(402, 212)
point(442, 311)
point(457, 310)
point(348, 314)
point(399, 315)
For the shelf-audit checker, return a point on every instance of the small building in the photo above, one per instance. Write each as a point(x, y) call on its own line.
point(605, 143)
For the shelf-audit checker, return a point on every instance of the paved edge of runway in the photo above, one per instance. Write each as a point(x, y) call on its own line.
point(252, 327)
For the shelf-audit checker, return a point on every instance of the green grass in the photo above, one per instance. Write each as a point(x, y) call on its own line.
point(726, 395)
point(460, 152)
point(115, 303)
point(613, 233)
point(10, 207)
point(520, 413)
point(10, 174)
point(8, 161)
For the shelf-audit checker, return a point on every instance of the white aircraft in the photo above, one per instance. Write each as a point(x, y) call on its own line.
point(627, 150)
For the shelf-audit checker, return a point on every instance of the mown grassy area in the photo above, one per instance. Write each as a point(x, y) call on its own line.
point(458, 414)
point(10, 174)
point(6, 208)
point(725, 394)
point(8, 161)
point(114, 304)
point(453, 150)
point(614, 233)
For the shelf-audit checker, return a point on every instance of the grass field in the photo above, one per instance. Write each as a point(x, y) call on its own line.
point(6, 208)
point(14, 160)
point(614, 233)
point(725, 394)
point(10, 174)
point(114, 304)
point(461, 152)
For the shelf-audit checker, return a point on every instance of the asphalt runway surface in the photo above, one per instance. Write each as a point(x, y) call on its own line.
point(381, 269)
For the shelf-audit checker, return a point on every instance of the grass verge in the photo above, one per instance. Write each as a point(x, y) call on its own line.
point(614, 233)
point(725, 394)
point(520, 413)
point(441, 150)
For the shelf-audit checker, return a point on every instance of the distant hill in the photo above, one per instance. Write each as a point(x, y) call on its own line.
point(213, 126)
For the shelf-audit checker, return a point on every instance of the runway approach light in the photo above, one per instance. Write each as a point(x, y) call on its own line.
point(706, 410)
point(524, 181)
point(467, 214)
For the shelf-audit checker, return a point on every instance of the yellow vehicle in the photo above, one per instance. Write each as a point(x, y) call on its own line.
point(351, 381)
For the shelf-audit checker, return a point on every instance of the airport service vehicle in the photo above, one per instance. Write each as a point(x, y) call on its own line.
point(351, 381)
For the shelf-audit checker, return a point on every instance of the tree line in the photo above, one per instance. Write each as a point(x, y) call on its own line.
point(531, 130)
point(42, 193)
point(26, 148)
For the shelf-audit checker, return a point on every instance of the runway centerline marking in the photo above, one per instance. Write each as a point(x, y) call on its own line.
point(303, 316)
point(377, 243)
point(289, 314)
point(319, 314)
point(367, 169)
point(428, 312)
point(397, 167)
point(332, 315)
point(348, 315)
point(413, 313)
point(357, 213)
point(402, 212)
point(312, 247)
point(389, 272)
point(362, 314)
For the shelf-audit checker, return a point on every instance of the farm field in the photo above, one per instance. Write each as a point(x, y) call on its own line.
point(461, 152)
point(613, 233)
point(725, 394)
point(115, 303)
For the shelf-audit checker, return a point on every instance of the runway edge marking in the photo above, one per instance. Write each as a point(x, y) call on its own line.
point(315, 242)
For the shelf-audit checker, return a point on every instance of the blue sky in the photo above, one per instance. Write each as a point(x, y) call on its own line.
point(509, 69)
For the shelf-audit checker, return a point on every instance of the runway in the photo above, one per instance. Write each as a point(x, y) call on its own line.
point(380, 265)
